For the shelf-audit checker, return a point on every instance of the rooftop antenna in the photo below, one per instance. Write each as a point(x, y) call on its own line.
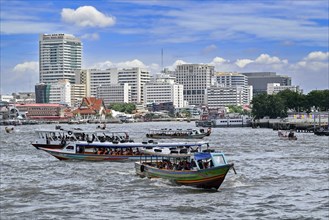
point(162, 59)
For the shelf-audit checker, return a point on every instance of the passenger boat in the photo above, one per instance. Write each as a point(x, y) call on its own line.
point(58, 138)
point(287, 136)
point(199, 169)
point(97, 151)
point(178, 133)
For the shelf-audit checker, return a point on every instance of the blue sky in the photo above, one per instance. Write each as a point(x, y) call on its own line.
point(287, 37)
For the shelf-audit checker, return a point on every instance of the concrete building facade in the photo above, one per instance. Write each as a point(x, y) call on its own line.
point(196, 78)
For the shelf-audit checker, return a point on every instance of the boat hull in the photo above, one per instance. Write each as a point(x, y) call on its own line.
point(178, 137)
point(210, 178)
point(89, 157)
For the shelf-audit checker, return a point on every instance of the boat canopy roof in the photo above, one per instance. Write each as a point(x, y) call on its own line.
point(202, 156)
point(141, 144)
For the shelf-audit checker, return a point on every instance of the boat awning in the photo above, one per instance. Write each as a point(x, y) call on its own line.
point(202, 156)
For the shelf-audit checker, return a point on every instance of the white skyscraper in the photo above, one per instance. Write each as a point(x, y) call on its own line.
point(195, 78)
point(59, 56)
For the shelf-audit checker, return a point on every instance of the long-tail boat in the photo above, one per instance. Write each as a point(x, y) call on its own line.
point(200, 169)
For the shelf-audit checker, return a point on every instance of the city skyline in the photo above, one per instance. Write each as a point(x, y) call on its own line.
point(286, 37)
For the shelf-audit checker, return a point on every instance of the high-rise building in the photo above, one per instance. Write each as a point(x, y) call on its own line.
point(42, 92)
point(259, 80)
point(162, 90)
point(136, 78)
point(114, 93)
point(228, 79)
point(196, 78)
point(59, 56)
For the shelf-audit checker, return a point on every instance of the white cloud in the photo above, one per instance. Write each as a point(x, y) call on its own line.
point(31, 66)
point(121, 65)
point(243, 62)
point(86, 16)
point(267, 59)
point(317, 55)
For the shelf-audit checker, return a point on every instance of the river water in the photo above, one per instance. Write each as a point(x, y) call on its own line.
point(276, 179)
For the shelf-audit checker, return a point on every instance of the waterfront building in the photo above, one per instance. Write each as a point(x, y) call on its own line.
point(44, 111)
point(114, 93)
point(59, 56)
point(229, 79)
point(259, 80)
point(274, 88)
point(91, 108)
point(164, 89)
point(195, 78)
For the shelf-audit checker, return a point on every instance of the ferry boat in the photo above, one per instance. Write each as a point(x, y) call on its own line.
point(225, 122)
point(178, 133)
point(200, 169)
point(97, 151)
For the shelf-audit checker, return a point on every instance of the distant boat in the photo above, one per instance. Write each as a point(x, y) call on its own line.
point(225, 122)
point(201, 169)
point(178, 133)
point(287, 136)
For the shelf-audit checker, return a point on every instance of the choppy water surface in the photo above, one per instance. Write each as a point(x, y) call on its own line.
point(276, 179)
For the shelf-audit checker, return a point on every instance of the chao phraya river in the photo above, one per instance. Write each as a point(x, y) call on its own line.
point(276, 179)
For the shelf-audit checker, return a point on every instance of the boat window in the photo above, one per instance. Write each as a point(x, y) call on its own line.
point(70, 147)
point(218, 160)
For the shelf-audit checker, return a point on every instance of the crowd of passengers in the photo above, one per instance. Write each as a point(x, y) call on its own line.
point(84, 137)
point(117, 151)
point(183, 165)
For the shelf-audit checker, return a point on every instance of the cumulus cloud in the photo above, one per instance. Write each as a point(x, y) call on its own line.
point(243, 62)
point(317, 55)
point(31, 66)
point(121, 65)
point(86, 16)
point(267, 59)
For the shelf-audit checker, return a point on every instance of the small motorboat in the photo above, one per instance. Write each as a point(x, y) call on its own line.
point(287, 136)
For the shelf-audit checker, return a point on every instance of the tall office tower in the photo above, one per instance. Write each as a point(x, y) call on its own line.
point(136, 78)
point(59, 56)
point(233, 80)
point(259, 80)
point(196, 78)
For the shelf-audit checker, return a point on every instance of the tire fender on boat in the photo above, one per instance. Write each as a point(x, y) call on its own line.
point(69, 132)
point(142, 168)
